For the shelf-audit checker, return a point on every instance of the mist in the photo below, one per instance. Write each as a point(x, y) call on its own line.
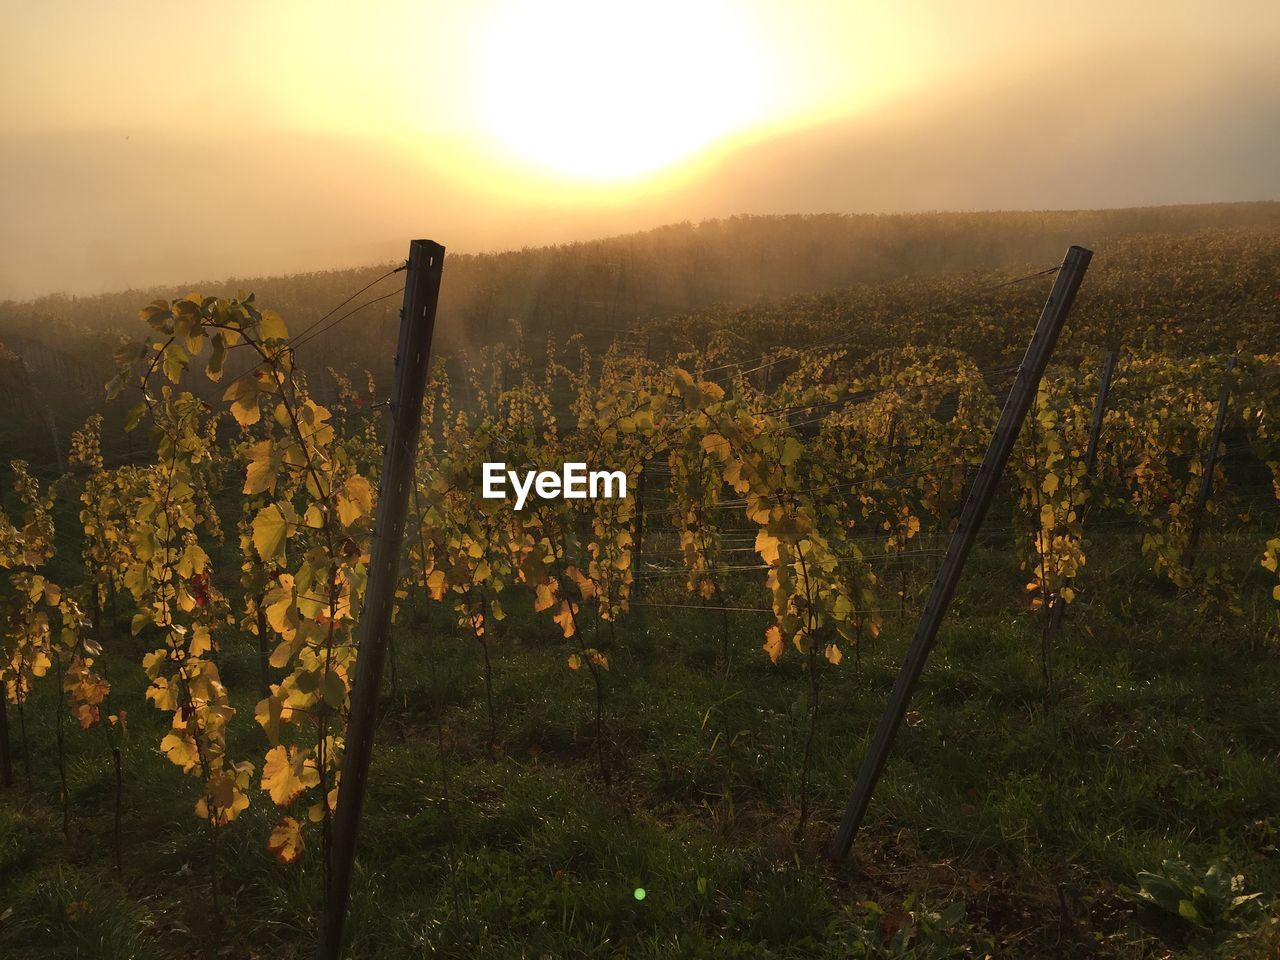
point(88, 210)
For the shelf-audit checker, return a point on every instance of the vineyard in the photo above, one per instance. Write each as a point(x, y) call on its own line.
point(628, 727)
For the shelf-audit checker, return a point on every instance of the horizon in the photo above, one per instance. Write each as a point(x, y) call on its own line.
point(476, 126)
point(343, 267)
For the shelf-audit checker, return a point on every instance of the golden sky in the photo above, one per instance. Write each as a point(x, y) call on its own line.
point(338, 129)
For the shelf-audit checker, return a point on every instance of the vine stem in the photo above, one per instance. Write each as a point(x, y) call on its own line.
point(488, 672)
point(6, 763)
point(437, 702)
point(22, 731)
point(1045, 556)
point(592, 666)
point(119, 789)
point(811, 665)
point(62, 760)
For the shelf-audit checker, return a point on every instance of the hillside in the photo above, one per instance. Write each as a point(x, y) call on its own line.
point(928, 279)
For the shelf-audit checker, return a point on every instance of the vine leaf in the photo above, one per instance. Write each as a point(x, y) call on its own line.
point(285, 842)
point(773, 644)
point(269, 528)
point(243, 395)
point(285, 774)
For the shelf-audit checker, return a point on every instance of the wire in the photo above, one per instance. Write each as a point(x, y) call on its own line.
point(298, 342)
point(866, 394)
point(821, 344)
point(302, 333)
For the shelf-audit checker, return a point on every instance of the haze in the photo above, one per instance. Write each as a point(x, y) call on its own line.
point(154, 142)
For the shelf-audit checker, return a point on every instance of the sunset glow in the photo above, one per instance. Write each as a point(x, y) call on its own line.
point(338, 128)
point(606, 91)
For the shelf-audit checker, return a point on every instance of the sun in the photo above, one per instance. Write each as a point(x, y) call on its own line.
point(609, 90)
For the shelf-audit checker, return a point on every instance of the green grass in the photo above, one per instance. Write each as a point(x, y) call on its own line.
point(1163, 742)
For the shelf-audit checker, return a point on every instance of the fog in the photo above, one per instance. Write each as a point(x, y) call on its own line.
point(110, 206)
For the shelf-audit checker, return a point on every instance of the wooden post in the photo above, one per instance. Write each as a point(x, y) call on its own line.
point(57, 444)
point(417, 321)
point(1099, 410)
point(638, 547)
point(6, 762)
point(1090, 461)
point(637, 583)
point(1210, 465)
point(1021, 394)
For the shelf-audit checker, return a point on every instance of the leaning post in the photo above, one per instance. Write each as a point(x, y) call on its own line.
point(1058, 607)
point(1206, 478)
point(417, 321)
point(1023, 391)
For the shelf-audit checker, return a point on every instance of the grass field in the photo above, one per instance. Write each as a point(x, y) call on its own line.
point(1002, 825)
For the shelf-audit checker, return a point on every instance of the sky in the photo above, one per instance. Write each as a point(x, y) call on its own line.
point(145, 142)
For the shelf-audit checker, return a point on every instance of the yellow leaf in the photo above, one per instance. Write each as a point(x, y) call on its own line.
point(842, 608)
point(714, 443)
point(544, 597)
point(243, 394)
point(435, 584)
point(201, 642)
point(269, 530)
point(268, 713)
point(181, 750)
point(575, 661)
point(833, 653)
point(286, 774)
point(260, 473)
point(791, 451)
point(355, 501)
point(773, 644)
point(285, 842)
point(1271, 560)
point(272, 327)
point(226, 792)
point(334, 690)
point(767, 547)
point(282, 613)
point(564, 617)
point(585, 584)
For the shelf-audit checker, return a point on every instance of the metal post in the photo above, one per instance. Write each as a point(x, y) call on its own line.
point(1099, 409)
point(637, 548)
point(1210, 465)
point(1090, 461)
point(1025, 385)
point(417, 321)
point(6, 764)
